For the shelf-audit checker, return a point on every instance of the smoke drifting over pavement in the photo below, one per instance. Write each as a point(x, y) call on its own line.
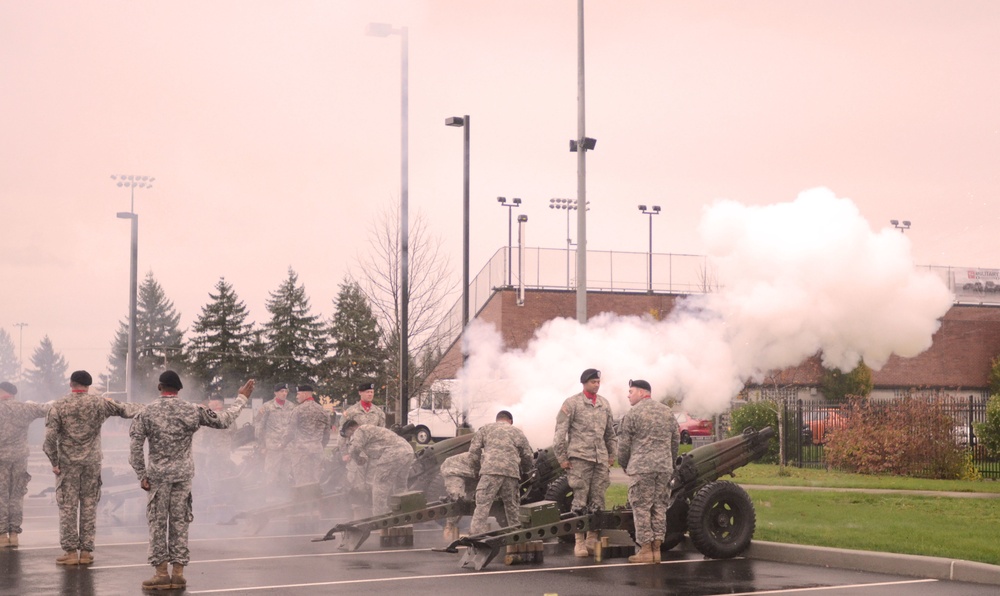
point(794, 279)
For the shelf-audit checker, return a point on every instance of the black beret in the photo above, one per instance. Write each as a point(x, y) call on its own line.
point(305, 388)
point(171, 379)
point(366, 386)
point(280, 386)
point(590, 373)
point(8, 387)
point(640, 384)
point(81, 377)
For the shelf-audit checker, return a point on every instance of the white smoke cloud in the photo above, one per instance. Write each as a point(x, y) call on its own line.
point(796, 278)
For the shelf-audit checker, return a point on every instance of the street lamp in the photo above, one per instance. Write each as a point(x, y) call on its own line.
point(654, 210)
point(385, 30)
point(464, 122)
point(131, 182)
point(521, 239)
point(568, 205)
point(20, 351)
point(510, 236)
point(902, 227)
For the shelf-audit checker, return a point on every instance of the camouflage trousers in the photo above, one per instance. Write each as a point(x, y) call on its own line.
point(169, 513)
point(276, 468)
point(492, 487)
point(306, 467)
point(459, 487)
point(590, 481)
point(14, 479)
point(388, 476)
point(648, 494)
point(78, 489)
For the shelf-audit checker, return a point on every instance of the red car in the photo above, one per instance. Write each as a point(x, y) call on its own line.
point(692, 427)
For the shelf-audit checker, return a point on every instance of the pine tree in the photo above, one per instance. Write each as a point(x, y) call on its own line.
point(8, 357)
point(159, 343)
point(48, 379)
point(219, 351)
point(295, 339)
point(356, 353)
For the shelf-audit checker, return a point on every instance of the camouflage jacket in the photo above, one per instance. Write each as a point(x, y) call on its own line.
point(585, 431)
point(308, 427)
point(15, 418)
point(459, 465)
point(215, 440)
point(648, 438)
point(73, 427)
point(375, 417)
point(169, 424)
point(501, 449)
point(270, 423)
point(373, 443)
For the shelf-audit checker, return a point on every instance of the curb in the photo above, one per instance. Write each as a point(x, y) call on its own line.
point(876, 562)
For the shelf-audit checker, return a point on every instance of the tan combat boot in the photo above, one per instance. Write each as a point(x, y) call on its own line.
point(450, 532)
point(4, 541)
point(656, 551)
point(160, 579)
point(86, 557)
point(592, 539)
point(12, 540)
point(177, 580)
point(69, 557)
point(645, 554)
point(580, 550)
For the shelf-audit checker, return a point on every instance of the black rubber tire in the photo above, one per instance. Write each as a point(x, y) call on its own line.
point(721, 520)
point(560, 492)
point(422, 435)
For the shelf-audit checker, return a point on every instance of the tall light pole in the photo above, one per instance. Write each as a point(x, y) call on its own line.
point(464, 122)
point(385, 30)
point(131, 182)
point(581, 145)
point(654, 210)
point(20, 351)
point(510, 234)
point(568, 205)
point(902, 227)
point(521, 239)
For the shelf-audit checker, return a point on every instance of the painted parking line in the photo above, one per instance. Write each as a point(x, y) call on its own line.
point(274, 557)
point(826, 588)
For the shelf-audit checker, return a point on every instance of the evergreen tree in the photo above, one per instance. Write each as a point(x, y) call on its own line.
point(219, 351)
point(356, 354)
point(48, 379)
point(159, 343)
point(295, 339)
point(8, 357)
point(836, 385)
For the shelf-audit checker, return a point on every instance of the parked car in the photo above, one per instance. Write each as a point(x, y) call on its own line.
point(816, 425)
point(692, 427)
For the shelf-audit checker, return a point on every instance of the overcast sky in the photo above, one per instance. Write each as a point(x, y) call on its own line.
point(272, 129)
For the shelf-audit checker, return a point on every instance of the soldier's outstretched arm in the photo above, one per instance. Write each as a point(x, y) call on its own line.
point(224, 419)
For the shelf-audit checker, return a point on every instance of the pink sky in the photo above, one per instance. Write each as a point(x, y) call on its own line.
point(273, 131)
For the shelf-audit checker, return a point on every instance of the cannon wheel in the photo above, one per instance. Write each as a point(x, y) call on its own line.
point(423, 435)
point(721, 520)
point(560, 492)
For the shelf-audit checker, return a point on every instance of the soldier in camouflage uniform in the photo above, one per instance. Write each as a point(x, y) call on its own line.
point(269, 427)
point(73, 446)
point(388, 456)
point(460, 479)
point(647, 446)
point(585, 445)
point(213, 448)
point(307, 434)
point(15, 417)
point(357, 482)
point(168, 425)
point(502, 454)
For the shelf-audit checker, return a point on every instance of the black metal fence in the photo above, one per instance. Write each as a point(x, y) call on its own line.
point(808, 426)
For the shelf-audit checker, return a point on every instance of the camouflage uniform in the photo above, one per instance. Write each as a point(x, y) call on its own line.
point(73, 444)
point(269, 427)
point(357, 481)
point(15, 417)
point(307, 433)
point(213, 450)
point(459, 480)
point(647, 445)
point(169, 425)
point(389, 458)
point(502, 453)
point(585, 436)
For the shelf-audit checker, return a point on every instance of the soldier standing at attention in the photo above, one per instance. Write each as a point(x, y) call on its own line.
point(73, 446)
point(307, 434)
point(648, 440)
point(269, 427)
point(502, 454)
point(585, 445)
point(388, 456)
point(169, 425)
point(363, 413)
point(15, 418)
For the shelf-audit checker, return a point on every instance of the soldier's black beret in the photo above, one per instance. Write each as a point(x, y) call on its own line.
point(640, 384)
point(8, 387)
point(305, 388)
point(590, 373)
point(367, 385)
point(81, 377)
point(280, 386)
point(171, 379)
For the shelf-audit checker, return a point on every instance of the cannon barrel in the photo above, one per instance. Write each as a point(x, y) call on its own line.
point(710, 462)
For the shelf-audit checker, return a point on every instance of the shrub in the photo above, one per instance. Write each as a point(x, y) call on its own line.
point(989, 431)
point(838, 386)
point(757, 415)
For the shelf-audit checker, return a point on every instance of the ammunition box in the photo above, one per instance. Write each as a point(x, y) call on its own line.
point(539, 513)
point(408, 501)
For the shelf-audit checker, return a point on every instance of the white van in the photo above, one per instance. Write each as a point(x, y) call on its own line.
point(433, 413)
